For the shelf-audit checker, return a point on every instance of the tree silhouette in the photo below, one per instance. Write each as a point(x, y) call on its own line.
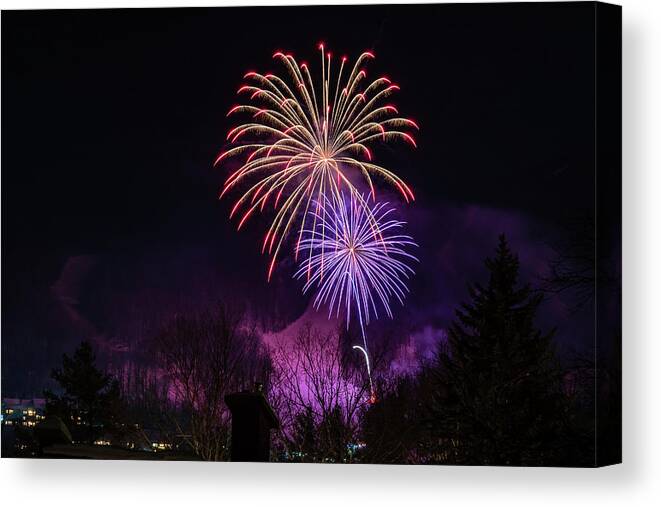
point(497, 396)
point(90, 403)
point(319, 396)
point(304, 436)
point(392, 429)
point(204, 357)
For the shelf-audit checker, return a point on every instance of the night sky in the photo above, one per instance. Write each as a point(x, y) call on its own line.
point(112, 119)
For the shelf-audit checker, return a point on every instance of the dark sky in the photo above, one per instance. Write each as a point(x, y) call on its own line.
point(111, 120)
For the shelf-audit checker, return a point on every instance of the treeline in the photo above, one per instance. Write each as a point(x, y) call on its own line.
point(495, 392)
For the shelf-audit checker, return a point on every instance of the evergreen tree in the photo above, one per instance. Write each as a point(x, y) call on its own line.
point(334, 436)
point(90, 402)
point(304, 440)
point(497, 389)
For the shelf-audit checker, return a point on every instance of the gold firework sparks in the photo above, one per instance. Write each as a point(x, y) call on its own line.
point(304, 139)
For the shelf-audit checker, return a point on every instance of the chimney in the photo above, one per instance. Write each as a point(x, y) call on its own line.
point(252, 422)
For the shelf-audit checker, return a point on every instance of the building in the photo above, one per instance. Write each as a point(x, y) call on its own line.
point(22, 412)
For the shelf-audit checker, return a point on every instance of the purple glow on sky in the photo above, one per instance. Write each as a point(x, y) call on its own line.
point(118, 301)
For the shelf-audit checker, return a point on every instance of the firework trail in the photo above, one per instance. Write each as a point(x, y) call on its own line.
point(369, 372)
point(306, 139)
point(354, 266)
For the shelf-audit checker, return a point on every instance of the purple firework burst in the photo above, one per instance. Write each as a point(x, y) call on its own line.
point(356, 258)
